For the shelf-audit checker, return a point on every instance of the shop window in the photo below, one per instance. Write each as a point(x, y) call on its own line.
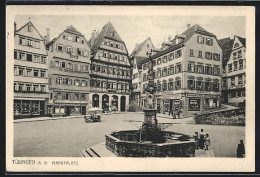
point(200, 39)
point(194, 104)
point(29, 57)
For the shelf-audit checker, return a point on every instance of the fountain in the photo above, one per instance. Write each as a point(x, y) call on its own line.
point(151, 140)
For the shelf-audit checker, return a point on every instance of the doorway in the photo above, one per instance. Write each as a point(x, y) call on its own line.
point(67, 111)
point(123, 99)
point(41, 108)
point(83, 110)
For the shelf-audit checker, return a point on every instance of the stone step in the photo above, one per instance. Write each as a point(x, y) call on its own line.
point(89, 153)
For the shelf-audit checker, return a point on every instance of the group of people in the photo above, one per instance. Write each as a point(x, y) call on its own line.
point(175, 113)
point(202, 140)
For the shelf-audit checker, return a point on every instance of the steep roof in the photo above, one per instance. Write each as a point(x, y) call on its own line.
point(139, 61)
point(105, 32)
point(226, 44)
point(29, 23)
point(69, 29)
point(140, 46)
point(242, 40)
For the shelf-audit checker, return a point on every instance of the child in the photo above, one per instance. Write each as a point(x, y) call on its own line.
point(207, 142)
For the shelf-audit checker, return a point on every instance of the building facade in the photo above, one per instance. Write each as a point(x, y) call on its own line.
point(234, 70)
point(187, 72)
point(30, 72)
point(69, 66)
point(137, 56)
point(110, 71)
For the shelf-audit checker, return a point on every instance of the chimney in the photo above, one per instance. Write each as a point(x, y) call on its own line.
point(48, 35)
point(188, 26)
point(169, 39)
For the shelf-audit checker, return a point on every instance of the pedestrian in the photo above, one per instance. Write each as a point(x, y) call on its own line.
point(201, 140)
point(170, 112)
point(241, 149)
point(173, 115)
point(207, 142)
point(196, 137)
point(178, 112)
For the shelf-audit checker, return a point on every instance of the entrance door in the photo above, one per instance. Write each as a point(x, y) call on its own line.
point(83, 110)
point(158, 108)
point(105, 103)
point(67, 110)
point(171, 105)
point(95, 101)
point(41, 108)
point(123, 103)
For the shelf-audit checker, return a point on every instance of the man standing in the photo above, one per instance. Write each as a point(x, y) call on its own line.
point(240, 149)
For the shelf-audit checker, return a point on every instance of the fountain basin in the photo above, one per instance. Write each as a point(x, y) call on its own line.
point(127, 144)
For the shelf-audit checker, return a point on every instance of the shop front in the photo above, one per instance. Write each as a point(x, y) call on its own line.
point(28, 108)
point(114, 106)
point(168, 101)
point(62, 109)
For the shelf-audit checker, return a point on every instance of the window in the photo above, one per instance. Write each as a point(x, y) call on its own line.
point(15, 54)
point(239, 54)
point(20, 87)
point(159, 87)
point(28, 87)
point(79, 51)
point(165, 59)
point(63, 65)
point(29, 42)
point(209, 41)
point(112, 33)
point(208, 55)
point(36, 73)
point(199, 85)
point(159, 61)
point(164, 71)
point(158, 73)
point(43, 74)
point(232, 81)
point(85, 53)
point(235, 65)
point(230, 67)
point(216, 86)
point(21, 41)
point(154, 64)
point(43, 88)
point(82, 41)
point(178, 68)
point(171, 69)
point(36, 58)
point(75, 67)
point(144, 67)
point(29, 72)
point(200, 54)
point(216, 57)
point(207, 86)
point(224, 83)
point(240, 80)
point(60, 47)
point(77, 39)
point(234, 55)
point(170, 85)
point(200, 39)
point(177, 84)
point(43, 59)
point(29, 28)
point(64, 37)
point(29, 57)
point(191, 67)
point(178, 53)
point(69, 50)
point(83, 83)
point(216, 70)
point(191, 53)
point(191, 84)
point(164, 88)
point(76, 82)
point(21, 71)
point(70, 38)
point(240, 64)
point(171, 56)
point(199, 69)
point(208, 70)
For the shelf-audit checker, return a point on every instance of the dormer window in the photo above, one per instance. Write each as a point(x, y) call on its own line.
point(70, 38)
point(112, 33)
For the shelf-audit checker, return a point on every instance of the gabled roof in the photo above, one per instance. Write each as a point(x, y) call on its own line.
point(226, 44)
point(29, 23)
point(105, 32)
point(140, 46)
point(242, 40)
point(69, 29)
point(139, 61)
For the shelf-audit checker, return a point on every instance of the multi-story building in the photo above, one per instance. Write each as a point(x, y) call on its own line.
point(30, 72)
point(187, 72)
point(137, 56)
point(69, 65)
point(234, 74)
point(110, 70)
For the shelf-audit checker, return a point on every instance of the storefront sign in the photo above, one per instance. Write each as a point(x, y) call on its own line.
point(176, 96)
point(194, 95)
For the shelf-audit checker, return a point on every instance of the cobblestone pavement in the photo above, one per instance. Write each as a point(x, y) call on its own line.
point(67, 137)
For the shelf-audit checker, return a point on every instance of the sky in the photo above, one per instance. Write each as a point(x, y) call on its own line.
point(135, 29)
